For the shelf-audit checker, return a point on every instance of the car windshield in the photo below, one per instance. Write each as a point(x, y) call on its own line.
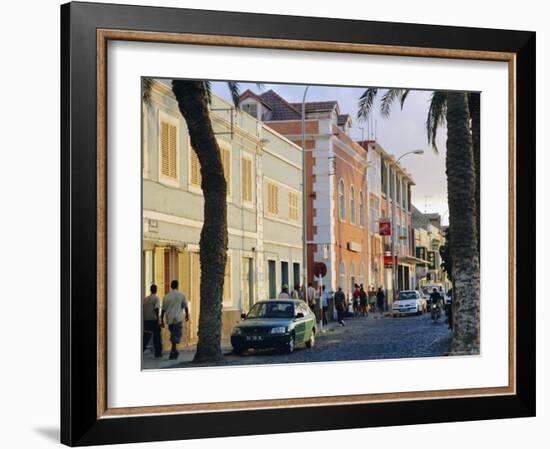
point(272, 310)
point(407, 295)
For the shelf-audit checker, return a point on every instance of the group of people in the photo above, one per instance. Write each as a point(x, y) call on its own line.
point(362, 302)
point(156, 317)
point(310, 295)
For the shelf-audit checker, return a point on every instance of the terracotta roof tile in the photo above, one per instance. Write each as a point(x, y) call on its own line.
point(317, 106)
point(282, 109)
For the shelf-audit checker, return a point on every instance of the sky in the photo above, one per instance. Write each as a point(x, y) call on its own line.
point(403, 131)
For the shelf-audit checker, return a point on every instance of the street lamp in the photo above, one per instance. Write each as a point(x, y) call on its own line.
point(304, 197)
point(393, 207)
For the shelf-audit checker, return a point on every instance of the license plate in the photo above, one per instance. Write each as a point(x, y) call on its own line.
point(253, 338)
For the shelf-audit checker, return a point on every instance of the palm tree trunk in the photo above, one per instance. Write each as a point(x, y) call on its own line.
point(193, 105)
point(474, 107)
point(461, 190)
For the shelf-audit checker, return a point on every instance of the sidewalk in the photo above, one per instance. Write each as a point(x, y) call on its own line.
point(186, 355)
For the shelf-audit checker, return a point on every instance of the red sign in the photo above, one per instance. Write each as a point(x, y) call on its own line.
point(387, 260)
point(319, 269)
point(384, 227)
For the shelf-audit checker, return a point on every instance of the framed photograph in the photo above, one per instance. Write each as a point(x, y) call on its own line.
point(285, 224)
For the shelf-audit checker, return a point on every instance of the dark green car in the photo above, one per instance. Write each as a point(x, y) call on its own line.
point(277, 323)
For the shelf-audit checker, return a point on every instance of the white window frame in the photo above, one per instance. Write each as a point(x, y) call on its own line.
point(361, 209)
point(352, 210)
point(163, 116)
point(341, 203)
point(342, 274)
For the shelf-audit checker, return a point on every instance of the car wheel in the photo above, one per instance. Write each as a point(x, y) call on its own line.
point(311, 342)
point(291, 344)
point(238, 350)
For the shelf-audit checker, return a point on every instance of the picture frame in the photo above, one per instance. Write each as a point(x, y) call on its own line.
point(86, 29)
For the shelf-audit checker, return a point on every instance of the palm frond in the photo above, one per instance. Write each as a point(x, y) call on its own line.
point(366, 101)
point(146, 87)
point(208, 92)
point(387, 100)
point(235, 92)
point(404, 96)
point(436, 116)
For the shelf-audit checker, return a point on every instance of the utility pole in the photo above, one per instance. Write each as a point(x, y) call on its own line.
point(304, 196)
point(393, 209)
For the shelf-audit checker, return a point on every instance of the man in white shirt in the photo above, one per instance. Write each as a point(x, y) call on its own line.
point(173, 306)
point(284, 293)
point(311, 293)
point(151, 326)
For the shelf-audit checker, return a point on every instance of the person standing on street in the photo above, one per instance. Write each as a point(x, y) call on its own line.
point(372, 299)
point(151, 326)
point(356, 296)
point(449, 309)
point(340, 304)
point(311, 297)
point(284, 293)
point(296, 293)
point(173, 306)
point(380, 297)
point(363, 301)
point(324, 304)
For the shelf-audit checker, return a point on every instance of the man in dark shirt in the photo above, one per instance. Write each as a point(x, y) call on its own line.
point(340, 305)
point(435, 298)
point(380, 297)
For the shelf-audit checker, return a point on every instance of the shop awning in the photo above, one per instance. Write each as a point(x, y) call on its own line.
point(412, 260)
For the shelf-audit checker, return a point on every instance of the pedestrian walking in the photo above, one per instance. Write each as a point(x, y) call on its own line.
point(173, 305)
point(372, 299)
point(363, 301)
point(340, 305)
point(311, 293)
point(284, 293)
point(380, 298)
point(297, 292)
point(151, 325)
point(324, 304)
point(356, 295)
point(449, 309)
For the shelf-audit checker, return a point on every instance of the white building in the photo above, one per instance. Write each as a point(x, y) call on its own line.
point(263, 170)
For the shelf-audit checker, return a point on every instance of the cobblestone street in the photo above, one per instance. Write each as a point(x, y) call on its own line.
point(363, 338)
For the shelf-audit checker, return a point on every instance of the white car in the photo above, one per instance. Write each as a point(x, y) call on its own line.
point(409, 302)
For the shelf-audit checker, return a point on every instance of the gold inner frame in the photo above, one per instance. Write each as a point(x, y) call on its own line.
point(104, 35)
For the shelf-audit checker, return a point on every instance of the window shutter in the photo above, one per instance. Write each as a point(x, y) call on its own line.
point(173, 153)
point(293, 206)
point(227, 280)
point(272, 199)
point(195, 169)
point(164, 149)
point(168, 150)
point(226, 162)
